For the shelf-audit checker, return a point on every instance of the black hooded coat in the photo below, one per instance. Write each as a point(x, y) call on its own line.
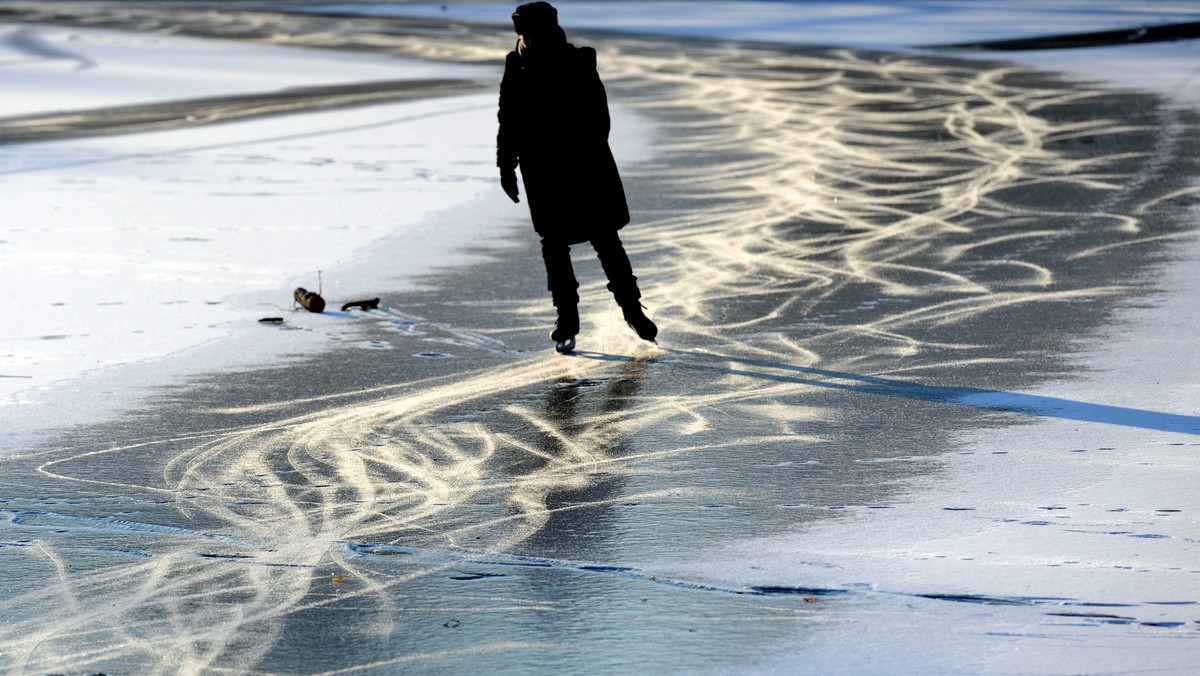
point(554, 123)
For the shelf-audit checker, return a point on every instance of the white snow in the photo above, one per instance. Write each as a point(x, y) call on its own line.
point(48, 68)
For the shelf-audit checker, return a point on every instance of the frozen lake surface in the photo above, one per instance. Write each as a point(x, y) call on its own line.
point(925, 399)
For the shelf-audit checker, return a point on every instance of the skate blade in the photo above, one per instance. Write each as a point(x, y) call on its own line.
point(565, 345)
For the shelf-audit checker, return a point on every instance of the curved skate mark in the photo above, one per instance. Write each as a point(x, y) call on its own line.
point(74, 456)
point(30, 519)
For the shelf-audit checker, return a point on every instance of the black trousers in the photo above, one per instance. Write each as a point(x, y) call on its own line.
point(560, 276)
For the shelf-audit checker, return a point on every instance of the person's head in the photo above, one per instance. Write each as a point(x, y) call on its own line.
point(535, 20)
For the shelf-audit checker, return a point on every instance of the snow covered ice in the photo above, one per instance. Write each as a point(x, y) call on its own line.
point(925, 399)
point(126, 249)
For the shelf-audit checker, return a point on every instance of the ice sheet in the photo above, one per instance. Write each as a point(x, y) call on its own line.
point(880, 24)
point(1057, 532)
point(1047, 534)
point(1053, 546)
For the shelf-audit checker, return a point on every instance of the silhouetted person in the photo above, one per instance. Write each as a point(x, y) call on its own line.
point(554, 123)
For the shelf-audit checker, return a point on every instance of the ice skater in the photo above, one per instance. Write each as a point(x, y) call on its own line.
point(554, 124)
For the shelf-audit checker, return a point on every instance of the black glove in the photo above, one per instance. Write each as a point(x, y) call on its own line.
point(508, 181)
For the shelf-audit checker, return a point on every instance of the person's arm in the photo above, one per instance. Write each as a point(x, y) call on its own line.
point(506, 137)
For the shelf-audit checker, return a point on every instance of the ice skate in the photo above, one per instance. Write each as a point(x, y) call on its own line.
point(639, 322)
point(565, 328)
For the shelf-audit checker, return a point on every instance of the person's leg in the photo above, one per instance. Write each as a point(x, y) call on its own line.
point(623, 284)
point(621, 280)
point(563, 287)
point(560, 276)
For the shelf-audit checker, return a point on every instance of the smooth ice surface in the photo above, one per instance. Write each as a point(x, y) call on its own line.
point(1083, 529)
point(909, 414)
